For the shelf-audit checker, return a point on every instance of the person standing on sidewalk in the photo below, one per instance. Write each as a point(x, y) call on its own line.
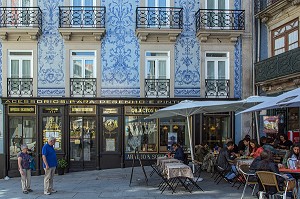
point(49, 165)
point(24, 168)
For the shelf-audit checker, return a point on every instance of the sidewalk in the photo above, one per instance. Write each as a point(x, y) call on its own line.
point(114, 183)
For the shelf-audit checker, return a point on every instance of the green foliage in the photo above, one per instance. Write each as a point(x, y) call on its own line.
point(62, 163)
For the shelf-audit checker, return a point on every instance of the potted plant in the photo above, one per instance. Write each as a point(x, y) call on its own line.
point(61, 165)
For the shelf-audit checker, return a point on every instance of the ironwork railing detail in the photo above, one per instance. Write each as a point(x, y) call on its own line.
point(157, 87)
point(83, 87)
point(20, 87)
point(220, 19)
point(260, 5)
point(159, 17)
point(284, 64)
point(217, 88)
point(21, 17)
point(82, 17)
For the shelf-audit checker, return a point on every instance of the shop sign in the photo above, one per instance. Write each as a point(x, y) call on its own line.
point(144, 156)
point(25, 109)
point(80, 109)
point(110, 111)
point(140, 110)
point(51, 110)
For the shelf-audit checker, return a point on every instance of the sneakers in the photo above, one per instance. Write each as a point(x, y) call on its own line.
point(53, 191)
point(47, 193)
point(25, 192)
point(29, 190)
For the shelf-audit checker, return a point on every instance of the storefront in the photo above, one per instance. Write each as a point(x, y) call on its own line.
point(100, 133)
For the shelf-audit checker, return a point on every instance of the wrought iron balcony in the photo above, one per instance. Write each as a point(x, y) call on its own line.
point(21, 17)
point(82, 17)
point(159, 17)
point(157, 87)
point(217, 88)
point(19, 87)
point(220, 19)
point(282, 65)
point(260, 5)
point(83, 87)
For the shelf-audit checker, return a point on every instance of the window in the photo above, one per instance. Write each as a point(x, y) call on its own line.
point(83, 16)
point(157, 65)
point(83, 64)
point(217, 66)
point(20, 13)
point(20, 64)
point(159, 13)
point(217, 17)
point(285, 37)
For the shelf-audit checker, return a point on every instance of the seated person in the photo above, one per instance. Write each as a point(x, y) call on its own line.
point(284, 143)
point(269, 145)
point(201, 151)
point(293, 153)
point(225, 160)
point(255, 149)
point(178, 152)
point(246, 146)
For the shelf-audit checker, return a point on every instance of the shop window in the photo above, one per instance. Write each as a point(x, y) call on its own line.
point(285, 37)
point(173, 131)
point(141, 134)
point(22, 130)
point(52, 128)
point(83, 64)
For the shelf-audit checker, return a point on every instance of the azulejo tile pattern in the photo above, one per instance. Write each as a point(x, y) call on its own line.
point(187, 55)
point(238, 60)
point(51, 71)
point(1, 65)
point(120, 50)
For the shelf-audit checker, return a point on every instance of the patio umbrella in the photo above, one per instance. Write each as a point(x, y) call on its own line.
point(187, 108)
point(288, 99)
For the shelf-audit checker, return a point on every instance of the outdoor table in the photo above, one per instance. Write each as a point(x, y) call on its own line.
point(162, 162)
point(240, 161)
point(295, 173)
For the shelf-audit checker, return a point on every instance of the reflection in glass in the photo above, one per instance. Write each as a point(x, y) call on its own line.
point(52, 128)
point(140, 133)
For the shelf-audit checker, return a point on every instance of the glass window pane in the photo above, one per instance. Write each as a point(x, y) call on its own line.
point(77, 3)
point(26, 69)
point(210, 70)
point(210, 4)
point(141, 134)
point(151, 3)
point(293, 37)
point(216, 54)
point(279, 43)
point(221, 70)
point(162, 69)
point(150, 70)
point(21, 53)
point(221, 4)
point(111, 137)
point(162, 3)
point(83, 53)
point(88, 2)
point(77, 68)
point(25, 3)
point(89, 68)
point(52, 128)
point(14, 69)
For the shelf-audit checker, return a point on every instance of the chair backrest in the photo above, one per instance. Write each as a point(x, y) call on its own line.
point(244, 168)
point(267, 178)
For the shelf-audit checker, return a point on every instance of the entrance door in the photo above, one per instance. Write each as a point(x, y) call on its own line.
point(82, 143)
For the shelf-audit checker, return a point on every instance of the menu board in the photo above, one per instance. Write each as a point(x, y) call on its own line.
point(56, 135)
point(270, 124)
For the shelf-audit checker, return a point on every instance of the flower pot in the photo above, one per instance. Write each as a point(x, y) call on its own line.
point(60, 171)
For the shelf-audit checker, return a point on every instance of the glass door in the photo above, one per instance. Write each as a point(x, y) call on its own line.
point(83, 14)
point(82, 143)
point(216, 16)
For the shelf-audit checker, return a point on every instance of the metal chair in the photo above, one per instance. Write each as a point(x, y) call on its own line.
point(269, 179)
point(250, 178)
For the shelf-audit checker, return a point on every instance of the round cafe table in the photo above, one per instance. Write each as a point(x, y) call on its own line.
point(295, 173)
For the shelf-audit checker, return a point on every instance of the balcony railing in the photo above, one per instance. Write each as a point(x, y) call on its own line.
point(83, 87)
point(220, 19)
point(260, 5)
point(159, 17)
point(217, 88)
point(21, 17)
point(157, 87)
point(82, 17)
point(21, 87)
point(282, 65)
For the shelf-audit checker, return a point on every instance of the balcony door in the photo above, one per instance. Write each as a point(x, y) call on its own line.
point(217, 17)
point(217, 74)
point(157, 73)
point(159, 13)
point(20, 14)
point(83, 143)
point(20, 73)
point(83, 13)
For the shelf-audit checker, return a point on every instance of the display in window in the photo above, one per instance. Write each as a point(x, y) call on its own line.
point(110, 144)
point(52, 128)
point(110, 134)
point(141, 134)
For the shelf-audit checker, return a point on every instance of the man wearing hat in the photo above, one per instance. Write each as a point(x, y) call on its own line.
point(24, 168)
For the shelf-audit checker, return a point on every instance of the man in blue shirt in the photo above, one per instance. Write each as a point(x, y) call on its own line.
point(179, 154)
point(49, 165)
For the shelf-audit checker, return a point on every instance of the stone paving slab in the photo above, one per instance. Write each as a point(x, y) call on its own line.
point(114, 183)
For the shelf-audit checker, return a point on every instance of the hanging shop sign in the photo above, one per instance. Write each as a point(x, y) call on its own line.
point(83, 109)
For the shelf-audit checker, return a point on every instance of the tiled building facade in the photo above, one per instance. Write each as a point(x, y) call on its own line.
point(89, 71)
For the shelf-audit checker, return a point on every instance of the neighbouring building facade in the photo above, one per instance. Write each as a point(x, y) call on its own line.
point(89, 72)
point(277, 67)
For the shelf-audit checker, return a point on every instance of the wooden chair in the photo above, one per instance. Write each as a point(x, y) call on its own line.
point(250, 178)
point(269, 179)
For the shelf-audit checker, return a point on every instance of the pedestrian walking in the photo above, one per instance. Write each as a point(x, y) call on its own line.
point(49, 165)
point(24, 168)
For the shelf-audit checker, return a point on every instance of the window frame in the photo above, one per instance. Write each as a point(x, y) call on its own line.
point(83, 58)
point(215, 60)
point(157, 59)
point(20, 58)
point(284, 35)
point(9, 3)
